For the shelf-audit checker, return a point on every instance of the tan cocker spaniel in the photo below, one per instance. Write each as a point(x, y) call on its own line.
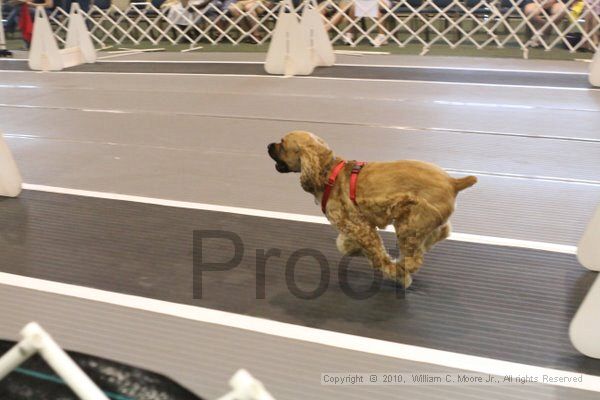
point(416, 197)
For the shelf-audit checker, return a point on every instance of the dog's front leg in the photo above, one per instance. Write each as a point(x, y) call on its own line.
point(359, 232)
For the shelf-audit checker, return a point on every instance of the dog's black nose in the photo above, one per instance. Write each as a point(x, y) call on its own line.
point(270, 146)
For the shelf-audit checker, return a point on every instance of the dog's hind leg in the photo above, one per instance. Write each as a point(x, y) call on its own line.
point(417, 231)
point(437, 235)
point(365, 235)
point(347, 246)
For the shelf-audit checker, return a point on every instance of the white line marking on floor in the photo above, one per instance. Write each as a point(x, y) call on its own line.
point(551, 179)
point(302, 333)
point(522, 71)
point(316, 77)
point(460, 237)
point(543, 178)
point(285, 94)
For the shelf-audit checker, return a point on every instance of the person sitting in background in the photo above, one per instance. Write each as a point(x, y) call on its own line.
point(13, 19)
point(246, 13)
point(336, 16)
point(346, 10)
point(183, 14)
point(591, 22)
point(216, 8)
point(533, 9)
point(83, 4)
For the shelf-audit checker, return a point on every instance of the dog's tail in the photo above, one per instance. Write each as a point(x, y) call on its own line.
point(463, 183)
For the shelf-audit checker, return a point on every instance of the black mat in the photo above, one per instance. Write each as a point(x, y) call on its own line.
point(35, 380)
point(431, 74)
point(499, 302)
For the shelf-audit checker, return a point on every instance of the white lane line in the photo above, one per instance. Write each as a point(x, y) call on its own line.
point(314, 77)
point(544, 178)
point(460, 237)
point(305, 334)
point(312, 95)
point(522, 71)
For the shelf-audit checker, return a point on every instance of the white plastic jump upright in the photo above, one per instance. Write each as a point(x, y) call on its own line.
point(588, 250)
point(2, 37)
point(585, 327)
point(246, 387)
point(595, 70)
point(36, 340)
point(44, 54)
point(10, 178)
point(288, 52)
point(320, 47)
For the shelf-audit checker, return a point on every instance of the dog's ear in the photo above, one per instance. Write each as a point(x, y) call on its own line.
point(313, 159)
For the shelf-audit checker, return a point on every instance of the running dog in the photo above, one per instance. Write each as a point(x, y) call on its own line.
point(416, 197)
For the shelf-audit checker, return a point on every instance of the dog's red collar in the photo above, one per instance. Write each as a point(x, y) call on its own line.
point(356, 168)
point(329, 185)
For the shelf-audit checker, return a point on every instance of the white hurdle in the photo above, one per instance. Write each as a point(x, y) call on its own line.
point(10, 178)
point(320, 47)
point(585, 327)
point(246, 387)
point(595, 70)
point(44, 54)
point(298, 47)
point(36, 340)
point(3, 51)
point(588, 249)
point(288, 52)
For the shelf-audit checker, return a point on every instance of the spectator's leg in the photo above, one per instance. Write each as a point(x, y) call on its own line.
point(12, 20)
point(237, 11)
point(380, 39)
point(590, 24)
point(533, 11)
point(252, 10)
point(66, 5)
point(558, 11)
point(338, 17)
point(346, 11)
point(325, 10)
point(84, 5)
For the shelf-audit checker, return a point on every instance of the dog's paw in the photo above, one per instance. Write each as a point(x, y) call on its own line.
point(396, 273)
point(412, 264)
point(406, 280)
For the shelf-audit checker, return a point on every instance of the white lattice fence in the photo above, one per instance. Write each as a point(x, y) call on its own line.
point(453, 23)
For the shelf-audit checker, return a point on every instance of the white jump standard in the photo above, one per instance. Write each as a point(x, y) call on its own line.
point(45, 55)
point(10, 178)
point(585, 327)
point(298, 47)
point(594, 76)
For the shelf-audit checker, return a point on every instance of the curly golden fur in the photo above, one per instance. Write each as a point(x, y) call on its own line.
point(416, 197)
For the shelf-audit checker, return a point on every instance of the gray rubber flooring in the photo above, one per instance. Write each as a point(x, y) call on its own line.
point(503, 303)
